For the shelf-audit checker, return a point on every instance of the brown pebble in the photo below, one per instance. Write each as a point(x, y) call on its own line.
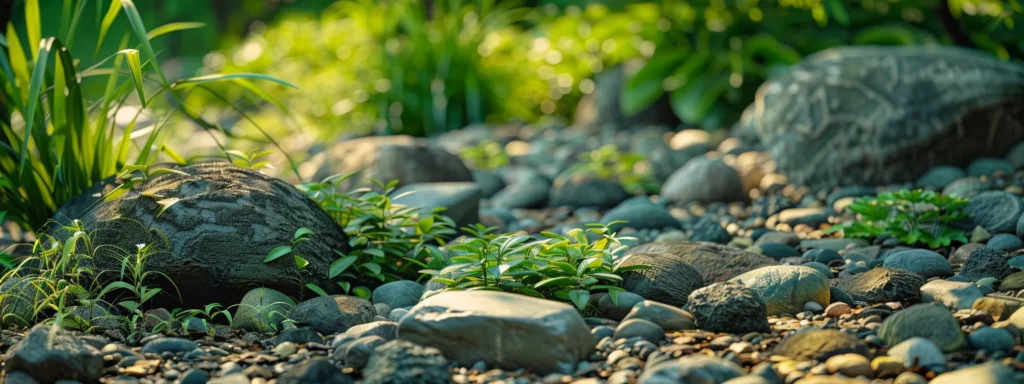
point(837, 309)
point(849, 364)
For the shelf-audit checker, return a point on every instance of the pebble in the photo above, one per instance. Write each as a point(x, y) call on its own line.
point(641, 328)
point(849, 364)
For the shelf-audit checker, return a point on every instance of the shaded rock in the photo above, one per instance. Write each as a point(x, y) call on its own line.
point(778, 251)
point(398, 294)
point(47, 354)
point(983, 263)
point(954, 295)
point(959, 257)
point(728, 307)
point(918, 351)
point(920, 261)
point(1004, 242)
point(18, 297)
point(669, 318)
point(930, 321)
point(939, 177)
point(987, 166)
point(666, 280)
point(787, 238)
point(527, 192)
point(617, 309)
point(490, 183)
point(986, 373)
point(881, 285)
point(704, 180)
point(640, 213)
point(840, 296)
point(707, 230)
point(169, 344)
point(996, 211)
point(644, 329)
point(332, 314)
point(386, 330)
point(300, 335)
point(211, 208)
point(314, 371)
point(262, 310)
point(820, 344)
point(695, 368)
point(714, 262)
point(460, 200)
point(821, 268)
point(824, 256)
point(401, 362)
point(990, 339)
point(385, 158)
point(357, 353)
point(850, 364)
point(968, 187)
point(469, 325)
point(786, 288)
point(1013, 282)
point(585, 191)
point(811, 147)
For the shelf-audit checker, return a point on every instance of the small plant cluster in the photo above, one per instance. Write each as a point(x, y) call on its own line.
point(629, 169)
point(389, 242)
point(486, 155)
point(567, 268)
point(913, 216)
point(58, 283)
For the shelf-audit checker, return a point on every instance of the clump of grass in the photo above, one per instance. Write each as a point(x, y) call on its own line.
point(912, 216)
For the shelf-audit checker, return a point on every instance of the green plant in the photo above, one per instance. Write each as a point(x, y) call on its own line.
point(912, 216)
point(389, 242)
point(300, 236)
point(486, 155)
point(57, 139)
point(251, 159)
point(567, 268)
point(193, 319)
point(629, 169)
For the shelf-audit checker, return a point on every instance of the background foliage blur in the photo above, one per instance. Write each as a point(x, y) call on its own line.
point(425, 67)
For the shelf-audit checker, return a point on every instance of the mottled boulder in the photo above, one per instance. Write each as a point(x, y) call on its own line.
point(728, 307)
point(881, 285)
point(469, 326)
point(219, 221)
point(666, 280)
point(820, 344)
point(714, 262)
point(984, 262)
point(385, 158)
point(885, 115)
point(786, 288)
point(332, 314)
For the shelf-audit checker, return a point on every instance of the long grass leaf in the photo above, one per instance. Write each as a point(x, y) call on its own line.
point(135, 66)
point(229, 77)
point(35, 86)
point(32, 27)
point(140, 33)
point(108, 19)
point(69, 38)
point(173, 27)
point(19, 63)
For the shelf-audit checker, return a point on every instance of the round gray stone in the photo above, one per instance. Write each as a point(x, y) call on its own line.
point(398, 294)
point(930, 321)
point(1005, 242)
point(704, 180)
point(920, 261)
point(641, 328)
point(728, 307)
point(695, 368)
point(262, 310)
point(996, 211)
point(786, 288)
point(332, 314)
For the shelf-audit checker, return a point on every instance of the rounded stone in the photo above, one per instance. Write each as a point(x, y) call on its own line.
point(837, 309)
point(667, 279)
point(728, 307)
point(704, 180)
point(398, 294)
point(939, 177)
point(586, 191)
point(641, 328)
point(669, 318)
point(695, 368)
point(990, 339)
point(640, 213)
point(262, 310)
point(820, 344)
point(918, 351)
point(881, 285)
point(920, 261)
point(996, 211)
point(987, 166)
point(617, 309)
point(400, 361)
point(333, 314)
point(992, 372)
point(713, 262)
point(824, 256)
point(984, 262)
point(929, 321)
point(849, 364)
point(786, 288)
point(1005, 242)
point(778, 251)
point(708, 230)
point(821, 268)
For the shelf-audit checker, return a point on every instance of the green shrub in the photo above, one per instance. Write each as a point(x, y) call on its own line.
point(629, 169)
point(56, 141)
point(567, 268)
point(389, 242)
point(912, 216)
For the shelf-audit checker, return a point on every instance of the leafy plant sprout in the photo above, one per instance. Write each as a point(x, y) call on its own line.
point(913, 216)
point(567, 268)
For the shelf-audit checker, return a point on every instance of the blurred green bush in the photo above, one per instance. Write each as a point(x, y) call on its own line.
point(399, 67)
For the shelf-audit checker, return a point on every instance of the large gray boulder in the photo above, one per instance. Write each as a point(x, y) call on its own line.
point(885, 115)
point(212, 225)
point(505, 330)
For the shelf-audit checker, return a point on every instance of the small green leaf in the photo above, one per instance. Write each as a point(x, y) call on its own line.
point(301, 263)
point(340, 265)
point(560, 281)
point(345, 285)
point(172, 27)
point(276, 253)
point(372, 267)
point(580, 297)
point(316, 289)
point(362, 292)
point(303, 232)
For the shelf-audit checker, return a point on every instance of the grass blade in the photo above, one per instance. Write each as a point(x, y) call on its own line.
point(32, 27)
point(140, 32)
point(35, 86)
point(69, 38)
point(173, 27)
point(108, 19)
point(229, 77)
point(135, 66)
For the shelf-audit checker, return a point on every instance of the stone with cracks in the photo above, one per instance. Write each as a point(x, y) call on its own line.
point(666, 280)
point(881, 285)
point(714, 262)
point(48, 355)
